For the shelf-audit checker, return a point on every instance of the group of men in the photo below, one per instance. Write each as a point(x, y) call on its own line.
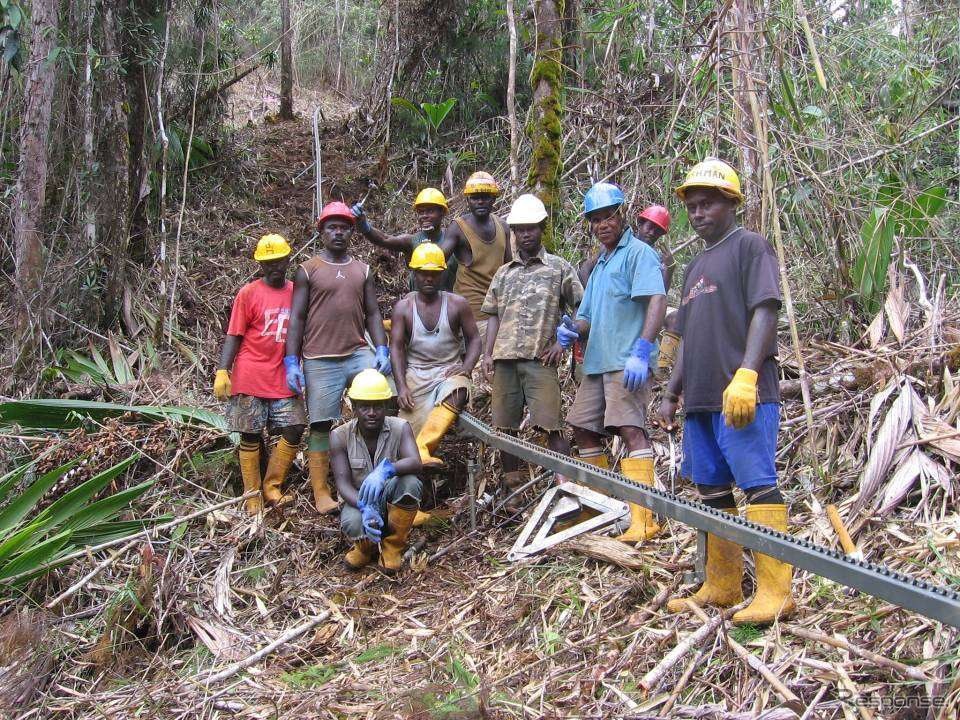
point(517, 309)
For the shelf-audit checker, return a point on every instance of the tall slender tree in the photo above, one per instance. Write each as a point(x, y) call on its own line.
point(286, 63)
point(30, 193)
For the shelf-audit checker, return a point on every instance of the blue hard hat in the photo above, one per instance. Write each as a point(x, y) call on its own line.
point(602, 195)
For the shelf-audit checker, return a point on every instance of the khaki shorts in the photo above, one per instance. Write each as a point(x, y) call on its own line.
point(249, 414)
point(525, 382)
point(603, 403)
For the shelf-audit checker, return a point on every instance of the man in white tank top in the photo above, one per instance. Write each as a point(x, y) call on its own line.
point(434, 345)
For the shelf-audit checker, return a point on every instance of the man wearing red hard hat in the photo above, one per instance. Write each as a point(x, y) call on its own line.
point(334, 301)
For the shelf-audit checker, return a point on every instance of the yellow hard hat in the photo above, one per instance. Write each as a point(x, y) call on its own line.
point(271, 247)
point(369, 385)
point(712, 173)
point(427, 256)
point(431, 196)
point(481, 182)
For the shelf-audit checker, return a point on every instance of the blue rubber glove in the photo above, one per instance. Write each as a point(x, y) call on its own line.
point(567, 333)
point(362, 225)
point(383, 360)
point(372, 522)
point(295, 379)
point(637, 369)
point(372, 486)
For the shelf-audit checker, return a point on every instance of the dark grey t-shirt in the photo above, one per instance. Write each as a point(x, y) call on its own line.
point(721, 287)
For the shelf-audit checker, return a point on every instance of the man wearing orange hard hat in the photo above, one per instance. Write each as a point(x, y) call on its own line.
point(726, 371)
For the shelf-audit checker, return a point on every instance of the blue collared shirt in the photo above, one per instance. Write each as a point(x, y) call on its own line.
point(615, 303)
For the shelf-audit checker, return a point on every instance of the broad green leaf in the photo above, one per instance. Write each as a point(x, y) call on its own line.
point(870, 269)
point(114, 529)
point(14, 16)
point(21, 505)
point(17, 541)
point(107, 507)
point(34, 559)
point(437, 113)
point(121, 368)
point(72, 502)
point(101, 362)
point(402, 102)
point(11, 478)
point(63, 414)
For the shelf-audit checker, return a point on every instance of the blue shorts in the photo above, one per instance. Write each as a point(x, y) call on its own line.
point(714, 454)
point(327, 378)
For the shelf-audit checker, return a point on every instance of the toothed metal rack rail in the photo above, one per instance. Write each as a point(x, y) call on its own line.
point(937, 603)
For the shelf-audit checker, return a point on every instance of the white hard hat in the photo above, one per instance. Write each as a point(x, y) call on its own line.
point(527, 210)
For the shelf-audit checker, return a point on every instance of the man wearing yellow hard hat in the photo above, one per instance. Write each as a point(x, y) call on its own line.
point(480, 241)
point(434, 346)
point(375, 461)
point(726, 372)
point(430, 207)
point(256, 390)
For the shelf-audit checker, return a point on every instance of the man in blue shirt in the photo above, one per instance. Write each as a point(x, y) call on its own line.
point(620, 315)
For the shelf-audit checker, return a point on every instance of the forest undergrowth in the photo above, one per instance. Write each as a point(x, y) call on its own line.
point(170, 625)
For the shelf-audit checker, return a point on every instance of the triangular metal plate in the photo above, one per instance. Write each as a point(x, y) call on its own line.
point(560, 503)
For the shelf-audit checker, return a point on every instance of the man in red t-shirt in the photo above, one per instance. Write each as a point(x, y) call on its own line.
point(257, 392)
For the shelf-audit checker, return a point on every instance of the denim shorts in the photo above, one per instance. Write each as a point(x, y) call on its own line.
point(327, 378)
point(715, 454)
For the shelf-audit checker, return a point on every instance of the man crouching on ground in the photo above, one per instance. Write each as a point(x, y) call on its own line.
point(374, 459)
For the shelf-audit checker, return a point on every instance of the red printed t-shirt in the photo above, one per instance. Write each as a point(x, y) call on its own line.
point(260, 316)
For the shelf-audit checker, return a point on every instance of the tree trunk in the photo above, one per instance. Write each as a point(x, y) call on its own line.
point(286, 63)
point(137, 22)
point(512, 94)
point(743, 46)
point(545, 127)
point(114, 155)
point(30, 192)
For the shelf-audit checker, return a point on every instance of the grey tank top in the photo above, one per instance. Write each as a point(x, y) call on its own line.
point(432, 348)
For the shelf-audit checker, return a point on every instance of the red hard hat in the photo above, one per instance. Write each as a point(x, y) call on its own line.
point(658, 215)
point(335, 210)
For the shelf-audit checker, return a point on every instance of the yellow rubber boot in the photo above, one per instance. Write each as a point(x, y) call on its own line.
point(724, 575)
point(439, 421)
point(360, 554)
point(318, 462)
point(399, 522)
point(643, 526)
point(669, 344)
point(250, 472)
point(600, 461)
point(422, 518)
point(281, 459)
point(773, 599)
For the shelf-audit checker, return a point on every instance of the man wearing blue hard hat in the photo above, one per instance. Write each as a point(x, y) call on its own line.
point(620, 315)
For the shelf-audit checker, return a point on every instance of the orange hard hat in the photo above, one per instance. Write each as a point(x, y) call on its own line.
point(658, 215)
point(335, 209)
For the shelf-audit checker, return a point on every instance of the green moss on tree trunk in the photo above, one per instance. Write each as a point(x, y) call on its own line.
point(545, 126)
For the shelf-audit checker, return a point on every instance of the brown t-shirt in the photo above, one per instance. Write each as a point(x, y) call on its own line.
point(335, 311)
point(721, 287)
point(474, 280)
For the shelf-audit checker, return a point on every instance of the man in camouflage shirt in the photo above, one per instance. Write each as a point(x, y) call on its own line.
point(525, 302)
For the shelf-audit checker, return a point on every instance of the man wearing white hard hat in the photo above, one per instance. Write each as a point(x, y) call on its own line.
point(525, 302)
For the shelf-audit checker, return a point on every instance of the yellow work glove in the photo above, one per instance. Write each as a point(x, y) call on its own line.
point(221, 385)
point(740, 399)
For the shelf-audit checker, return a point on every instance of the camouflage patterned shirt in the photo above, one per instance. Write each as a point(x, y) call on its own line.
point(529, 298)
